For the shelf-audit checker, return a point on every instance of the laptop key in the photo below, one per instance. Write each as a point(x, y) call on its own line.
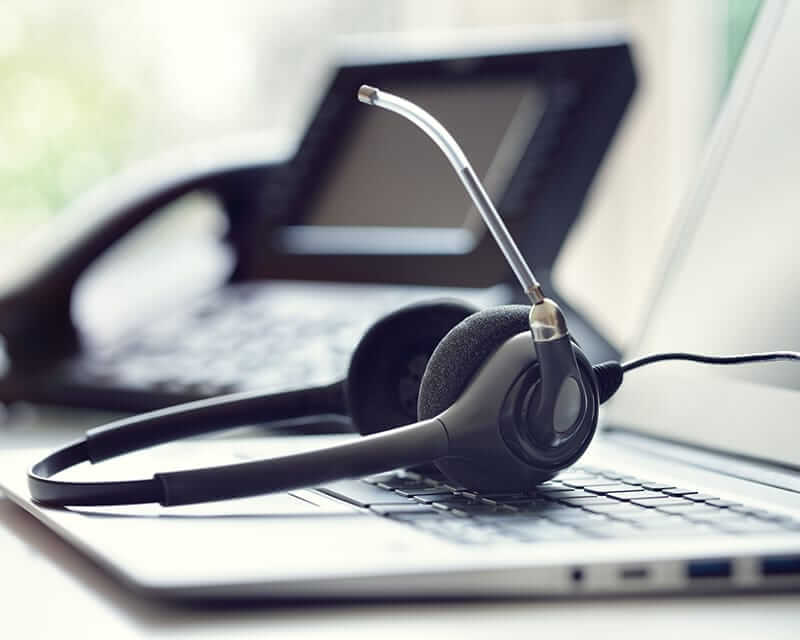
point(761, 514)
point(507, 498)
point(700, 497)
point(664, 522)
point(575, 516)
point(687, 508)
point(718, 516)
point(708, 514)
point(499, 520)
point(615, 487)
point(527, 505)
point(542, 530)
point(450, 498)
point(615, 508)
point(589, 500)
point(614, 530)
point(677, 491)
point(693, 531)
point(656, 486)
point(635, 495)
point(413, 509)
point(750, 525)
point(639, 514)
point(640, 530)
point(659, 501)
point(723, 504)
point(426, 491)
point(598, 482)
point(546, 509)
point(362, 494)
point(478, 508)
point(444, 525)
point(566, 493)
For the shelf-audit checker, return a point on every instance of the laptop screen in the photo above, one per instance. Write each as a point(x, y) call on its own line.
point(733, 283)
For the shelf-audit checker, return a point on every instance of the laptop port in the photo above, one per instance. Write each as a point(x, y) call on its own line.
point(780, 565)
point(709, 568)
point(634, 573)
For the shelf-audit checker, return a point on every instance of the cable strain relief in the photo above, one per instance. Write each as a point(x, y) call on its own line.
point(609, 378)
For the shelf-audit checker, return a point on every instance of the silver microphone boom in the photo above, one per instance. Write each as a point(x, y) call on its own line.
point(434, 129)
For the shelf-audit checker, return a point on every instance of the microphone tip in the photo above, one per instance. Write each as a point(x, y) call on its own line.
point(367, 94)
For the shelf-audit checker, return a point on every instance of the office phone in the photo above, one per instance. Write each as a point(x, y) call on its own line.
point(536, 117)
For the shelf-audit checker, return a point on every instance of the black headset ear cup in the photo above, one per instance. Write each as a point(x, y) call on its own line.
point(387, 366)
point(452, 366)
point(461, 353)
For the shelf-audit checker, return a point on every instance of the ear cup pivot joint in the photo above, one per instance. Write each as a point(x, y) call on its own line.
point(547, 449)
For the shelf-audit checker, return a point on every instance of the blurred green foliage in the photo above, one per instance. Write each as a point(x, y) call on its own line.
point(64, 125)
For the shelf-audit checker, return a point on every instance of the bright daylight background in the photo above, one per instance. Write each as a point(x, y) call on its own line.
point(88, 87)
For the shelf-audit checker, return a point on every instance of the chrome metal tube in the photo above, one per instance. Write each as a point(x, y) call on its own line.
point(434, 129)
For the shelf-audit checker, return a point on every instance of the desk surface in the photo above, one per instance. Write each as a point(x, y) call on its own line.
point(48, 590)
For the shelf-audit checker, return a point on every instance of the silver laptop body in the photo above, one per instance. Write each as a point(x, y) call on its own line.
point(710, 453)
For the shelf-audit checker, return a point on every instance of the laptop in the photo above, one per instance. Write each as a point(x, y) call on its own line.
point(691, 486)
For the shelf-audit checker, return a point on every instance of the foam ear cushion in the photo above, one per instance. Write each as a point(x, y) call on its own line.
point(462, 352)
point(387, 366)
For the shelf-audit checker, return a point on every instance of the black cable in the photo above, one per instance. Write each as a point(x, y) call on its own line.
point(694, 357)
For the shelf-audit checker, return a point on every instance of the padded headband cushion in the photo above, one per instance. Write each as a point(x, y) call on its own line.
point(462, 352)
point(387, 366)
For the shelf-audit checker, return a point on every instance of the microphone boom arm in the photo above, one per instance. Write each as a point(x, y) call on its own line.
point(436, 131)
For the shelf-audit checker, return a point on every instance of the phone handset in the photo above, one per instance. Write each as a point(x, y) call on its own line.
point(36, 292)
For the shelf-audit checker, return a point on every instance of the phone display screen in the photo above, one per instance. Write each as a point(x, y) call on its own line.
point(389, 173)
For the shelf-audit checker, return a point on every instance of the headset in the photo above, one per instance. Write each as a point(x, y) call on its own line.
point(500, 399)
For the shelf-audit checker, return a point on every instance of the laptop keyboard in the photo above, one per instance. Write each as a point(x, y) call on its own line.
point(581, 503)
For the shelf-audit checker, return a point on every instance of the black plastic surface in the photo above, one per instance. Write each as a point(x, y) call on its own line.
point(371, 454)
point(463, 351)
point(387, 367)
